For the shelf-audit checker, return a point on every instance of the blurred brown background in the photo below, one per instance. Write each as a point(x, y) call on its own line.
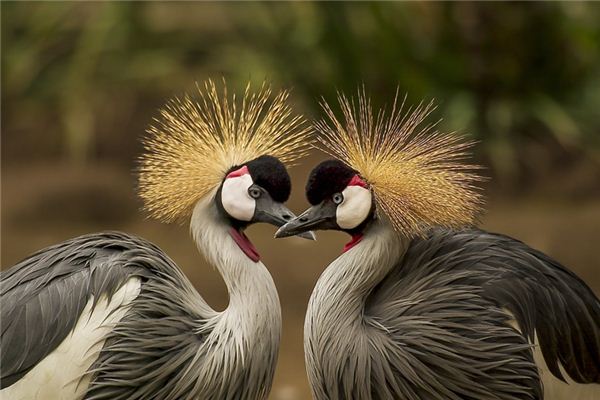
point(81, 81)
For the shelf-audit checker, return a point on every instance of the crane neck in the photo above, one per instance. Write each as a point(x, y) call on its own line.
point(346, 283)
point(241, 343)
point(249, 284)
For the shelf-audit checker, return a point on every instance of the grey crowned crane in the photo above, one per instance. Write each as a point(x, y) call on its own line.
point(111, 316)
point(422, 305)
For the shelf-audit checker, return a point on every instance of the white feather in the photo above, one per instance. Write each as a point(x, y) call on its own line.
point(61, 375)
point(244, 338)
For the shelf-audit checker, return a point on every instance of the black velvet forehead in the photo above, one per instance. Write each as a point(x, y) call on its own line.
point(270, 174)
point(327, 178)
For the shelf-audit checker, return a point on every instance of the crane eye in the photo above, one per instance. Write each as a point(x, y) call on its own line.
point(254, 192)
point(337, 198)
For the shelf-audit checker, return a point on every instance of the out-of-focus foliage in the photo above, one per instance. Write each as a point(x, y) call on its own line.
point(81, 81)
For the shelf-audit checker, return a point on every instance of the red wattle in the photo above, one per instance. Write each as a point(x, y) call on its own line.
point(355, 240)
point(244, 243)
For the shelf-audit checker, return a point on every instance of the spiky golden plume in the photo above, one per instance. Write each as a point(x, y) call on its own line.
point(189, 150)
point(415, 172)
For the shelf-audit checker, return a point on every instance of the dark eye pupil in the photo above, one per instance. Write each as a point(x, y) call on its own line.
point(337, 198)
point(254, 193)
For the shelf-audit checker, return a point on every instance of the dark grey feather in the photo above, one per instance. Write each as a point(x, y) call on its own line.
point(43, 296)
point(431, 339)
point(436, 325)
point(154, 352)
point(544, 296)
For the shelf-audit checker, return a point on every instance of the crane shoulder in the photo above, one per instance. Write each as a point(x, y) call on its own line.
point(545, 298)
point(44, 295)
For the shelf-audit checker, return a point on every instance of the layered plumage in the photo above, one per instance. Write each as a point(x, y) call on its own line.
point(433, 318)
point(110, 316)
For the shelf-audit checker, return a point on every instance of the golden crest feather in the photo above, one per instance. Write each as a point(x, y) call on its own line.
point(189, 150)
point(415, 172)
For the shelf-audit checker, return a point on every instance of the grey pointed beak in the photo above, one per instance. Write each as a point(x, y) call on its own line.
point(321, 216)
point(310, 235)
point(274, 213)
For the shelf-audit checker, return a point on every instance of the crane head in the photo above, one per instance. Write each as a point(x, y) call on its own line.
point(255, 192)
point(392, 162)
point(202, 142)
point(340, 199)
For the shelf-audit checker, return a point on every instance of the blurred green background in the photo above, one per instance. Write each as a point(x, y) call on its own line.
point(82, 81)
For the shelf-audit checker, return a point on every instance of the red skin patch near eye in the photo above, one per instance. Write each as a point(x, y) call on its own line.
point(240, 238)
point(357, 181)
point(244, 244)
point(238, 172)
point(355, 240)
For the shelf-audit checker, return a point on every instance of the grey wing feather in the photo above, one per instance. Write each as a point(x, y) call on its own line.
point(544, 296)
point(43, 296)
point(153, 353)
point(441, 340)
point(550, 300)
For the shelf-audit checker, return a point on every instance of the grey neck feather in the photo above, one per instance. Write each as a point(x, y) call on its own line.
point(244, 338)
point(349, 279)
point(337, 303)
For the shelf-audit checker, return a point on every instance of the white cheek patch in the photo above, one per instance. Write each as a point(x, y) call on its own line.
point(235, 198)
point(355, 207)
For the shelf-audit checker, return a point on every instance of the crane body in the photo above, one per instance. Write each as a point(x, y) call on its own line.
point(421, 304)
point(437, 317)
